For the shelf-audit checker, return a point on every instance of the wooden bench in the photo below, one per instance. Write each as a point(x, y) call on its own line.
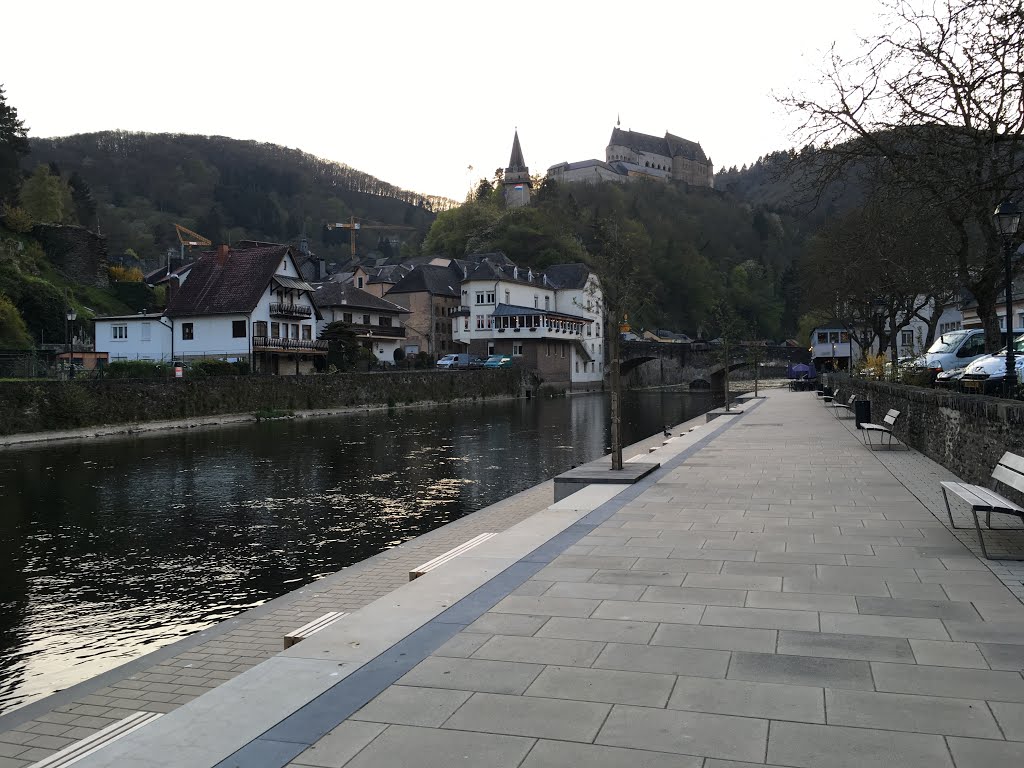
point(74, 752)
point(1010, 472)
point(300, 634)
point(451, 554)
point(847, 407)
point(884, 429)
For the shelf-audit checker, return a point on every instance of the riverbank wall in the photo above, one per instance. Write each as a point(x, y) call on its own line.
point(42, 406)
point(967, 434)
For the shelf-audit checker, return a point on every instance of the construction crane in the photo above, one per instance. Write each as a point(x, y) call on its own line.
point(186, 237)
point(353, 226)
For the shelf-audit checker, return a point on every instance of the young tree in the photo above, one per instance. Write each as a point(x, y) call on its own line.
point(616, 251)
point(936, 99)
point(13, 146)
point(42, 195)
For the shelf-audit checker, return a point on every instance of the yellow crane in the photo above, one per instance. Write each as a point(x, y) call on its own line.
point(353, 226)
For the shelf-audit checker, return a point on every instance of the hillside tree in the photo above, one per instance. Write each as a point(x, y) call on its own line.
point(13, 146)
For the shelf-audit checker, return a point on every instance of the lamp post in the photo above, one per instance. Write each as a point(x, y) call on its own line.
point(70, 316)
point(1007, 217)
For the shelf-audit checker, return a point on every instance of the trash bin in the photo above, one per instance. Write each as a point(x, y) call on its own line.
point(861, 412)
point(826, 390)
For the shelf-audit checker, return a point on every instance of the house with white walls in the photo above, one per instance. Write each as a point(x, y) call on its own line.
point(549, 322)
point(376, 322)
point(237, 304)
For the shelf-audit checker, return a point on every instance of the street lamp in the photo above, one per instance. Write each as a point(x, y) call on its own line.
point(1007, 217)
point(71, 317)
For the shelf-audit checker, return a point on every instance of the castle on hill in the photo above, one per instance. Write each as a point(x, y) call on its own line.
point(631, 155)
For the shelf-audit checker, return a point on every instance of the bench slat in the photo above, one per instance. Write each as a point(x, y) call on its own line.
point(449, 555)
point(74, 752)
point(1013, 461)
point(1008, 477)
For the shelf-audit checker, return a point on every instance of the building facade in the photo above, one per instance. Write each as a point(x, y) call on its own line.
point(376, 322)
point(430, 292)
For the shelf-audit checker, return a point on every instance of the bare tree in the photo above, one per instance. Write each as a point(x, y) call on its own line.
point(937, 100)
point(616, 252)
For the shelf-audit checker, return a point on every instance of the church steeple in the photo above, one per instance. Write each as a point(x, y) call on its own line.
point(516, 162)
point(516, 182)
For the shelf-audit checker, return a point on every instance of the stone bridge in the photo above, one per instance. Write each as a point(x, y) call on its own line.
point(699, 365)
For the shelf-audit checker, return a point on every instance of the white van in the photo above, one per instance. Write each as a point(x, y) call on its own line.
point(454, 361)
point(954, 349)
point(985, 375)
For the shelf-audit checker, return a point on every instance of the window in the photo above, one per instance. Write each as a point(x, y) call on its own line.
point(479, 297)
point(120, 332)
point(577, 366)
point(547, 349)
point(238, 329)
point(517, 350)
point(146, 331)
point(479, 322)
point(359, 282)
point(1020, 320)
point(490, 297)
point(833, 337)
point(346, 317)
point(562, 347)
point(906, 338)
point(260, 328)
point(547, 302)
point(844, 337)
point(295, 330)
point(187, 331)
point(307, 332)
point(823, 337)
point(490, 349)
point(384, 321)
point(597, 329)
point(507, 298)
point(536, 301)
point(1002, 323)
point(275, 330)
point(465, 323)
point(366, 319)
point(590, 329)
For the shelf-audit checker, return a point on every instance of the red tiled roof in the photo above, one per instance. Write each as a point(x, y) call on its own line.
point(232, 285)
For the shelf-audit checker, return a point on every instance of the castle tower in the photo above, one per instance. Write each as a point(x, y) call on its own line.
point(516, 182)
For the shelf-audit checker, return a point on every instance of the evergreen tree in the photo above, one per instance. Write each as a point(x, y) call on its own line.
point(13, 146)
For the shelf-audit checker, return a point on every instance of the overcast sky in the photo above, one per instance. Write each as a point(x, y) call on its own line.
point(416, 93)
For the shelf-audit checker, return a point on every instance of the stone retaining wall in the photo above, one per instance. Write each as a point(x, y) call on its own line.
point(964, 433)
point(36, 406)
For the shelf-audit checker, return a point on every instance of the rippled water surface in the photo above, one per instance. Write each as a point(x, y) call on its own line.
point(111, 548)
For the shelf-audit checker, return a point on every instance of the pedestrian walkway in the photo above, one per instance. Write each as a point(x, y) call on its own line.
point(774, 594)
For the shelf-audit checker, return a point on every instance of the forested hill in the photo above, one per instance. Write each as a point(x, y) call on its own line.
point(144, 183)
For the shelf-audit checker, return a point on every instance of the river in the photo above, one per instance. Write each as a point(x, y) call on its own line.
point(111, 548)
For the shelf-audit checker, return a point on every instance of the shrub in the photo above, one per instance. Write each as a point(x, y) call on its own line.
point(125, 274)
point(399, 354)
point(17, 220)
point(205, 368)
point(423, 360)
point(137, 369)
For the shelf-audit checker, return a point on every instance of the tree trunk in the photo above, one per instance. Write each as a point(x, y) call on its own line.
point(725, 373)
point(990, 322)
point(615, 346)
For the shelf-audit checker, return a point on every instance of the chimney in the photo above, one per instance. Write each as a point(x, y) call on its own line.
point(222, 254)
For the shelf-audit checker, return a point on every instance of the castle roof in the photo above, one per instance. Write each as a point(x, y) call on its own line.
point(516, 161)
point(669, 146)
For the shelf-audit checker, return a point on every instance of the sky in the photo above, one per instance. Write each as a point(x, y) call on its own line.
point(426, 96)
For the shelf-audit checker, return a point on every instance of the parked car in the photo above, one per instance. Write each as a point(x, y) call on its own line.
point(985, 376)
point(476, 362)
point(452, 361)
point(950, 379)
point(498, 361)
point(952, 350)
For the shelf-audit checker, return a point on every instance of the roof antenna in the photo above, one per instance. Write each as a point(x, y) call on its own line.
point(618, 120)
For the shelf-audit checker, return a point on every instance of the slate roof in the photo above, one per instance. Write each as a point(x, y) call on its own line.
point(160, 274)
point(232, 285)
point(516, 161)
point(438, 281)
point(332, 294)
point(669, 146)
point(568, 275)
point(512, 310)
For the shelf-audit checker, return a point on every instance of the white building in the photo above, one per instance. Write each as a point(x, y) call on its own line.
point(376, 322)
point(549, 322)
point(237, 304)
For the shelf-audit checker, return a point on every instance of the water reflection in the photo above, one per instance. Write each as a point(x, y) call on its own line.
point(109, 549)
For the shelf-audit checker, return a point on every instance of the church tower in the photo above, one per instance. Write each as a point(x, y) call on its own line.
point(516, 182)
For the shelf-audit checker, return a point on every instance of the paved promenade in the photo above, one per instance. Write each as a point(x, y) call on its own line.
point(774, 594)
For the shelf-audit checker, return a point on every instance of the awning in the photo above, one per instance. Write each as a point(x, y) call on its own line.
point(290, 282)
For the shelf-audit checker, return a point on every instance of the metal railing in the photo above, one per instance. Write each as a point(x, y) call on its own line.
point(290, 310)
point(302, 345)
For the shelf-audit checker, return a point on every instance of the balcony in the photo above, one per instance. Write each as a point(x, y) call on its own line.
point(460, 312)
point(268, 344)
point(290, 310)
point(378, 331)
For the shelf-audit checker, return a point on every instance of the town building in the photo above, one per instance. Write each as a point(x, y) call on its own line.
point(831, 348)
point(631, 155)
point(235, 304)
point(431, 293)
point(971, 319)
point(549, 322)
point(376, 322)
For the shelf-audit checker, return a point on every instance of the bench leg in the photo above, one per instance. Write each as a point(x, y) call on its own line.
point(981, 538)
point(949, 512)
